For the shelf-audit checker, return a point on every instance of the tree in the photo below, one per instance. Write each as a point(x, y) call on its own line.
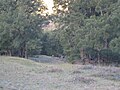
point(20, 25)
point(89, 24)
point(51, 45)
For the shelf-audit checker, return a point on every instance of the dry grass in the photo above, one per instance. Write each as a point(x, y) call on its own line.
point(22, 74)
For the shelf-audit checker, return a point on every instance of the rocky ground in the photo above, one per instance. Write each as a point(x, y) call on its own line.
point(22, 74)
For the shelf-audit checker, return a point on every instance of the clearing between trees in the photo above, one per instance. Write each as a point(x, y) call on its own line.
point(23, 74)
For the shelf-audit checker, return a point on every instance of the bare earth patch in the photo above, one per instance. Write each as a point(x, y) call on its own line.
point(22, 74)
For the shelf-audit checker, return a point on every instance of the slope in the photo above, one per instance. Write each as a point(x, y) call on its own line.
point(23, 74)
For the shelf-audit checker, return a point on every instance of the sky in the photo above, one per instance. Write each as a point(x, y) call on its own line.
point(49, 4)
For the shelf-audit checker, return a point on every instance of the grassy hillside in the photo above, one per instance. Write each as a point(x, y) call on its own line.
point(22, 74)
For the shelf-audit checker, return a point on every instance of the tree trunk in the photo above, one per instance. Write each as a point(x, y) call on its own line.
point(106, 44)
point(82, 55)
point(20, 52)
point(9, 51)
point(23, 52)
point(26, 55)
point(98, 55)
point(98, 59)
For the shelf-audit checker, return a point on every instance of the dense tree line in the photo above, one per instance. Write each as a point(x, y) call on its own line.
point(88, 30)
point(91, 30)
point(20, 27)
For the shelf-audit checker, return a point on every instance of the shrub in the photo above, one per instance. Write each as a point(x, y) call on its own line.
point(109, 56)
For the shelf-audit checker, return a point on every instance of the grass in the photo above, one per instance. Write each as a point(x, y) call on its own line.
point(23, 74)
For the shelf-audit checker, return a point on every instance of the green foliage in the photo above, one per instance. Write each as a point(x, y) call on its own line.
point(109, 56)
point(91, 53)
point(51, 45)
point(106, 54)
point(20, 27)
point(115, 45)
point(93, 24)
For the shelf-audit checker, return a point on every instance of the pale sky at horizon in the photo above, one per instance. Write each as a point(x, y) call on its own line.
point(50, 5)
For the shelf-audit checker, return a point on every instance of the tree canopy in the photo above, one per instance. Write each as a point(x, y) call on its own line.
point(86, 29)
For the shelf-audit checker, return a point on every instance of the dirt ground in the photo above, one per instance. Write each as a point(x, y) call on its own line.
point(22, 74)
